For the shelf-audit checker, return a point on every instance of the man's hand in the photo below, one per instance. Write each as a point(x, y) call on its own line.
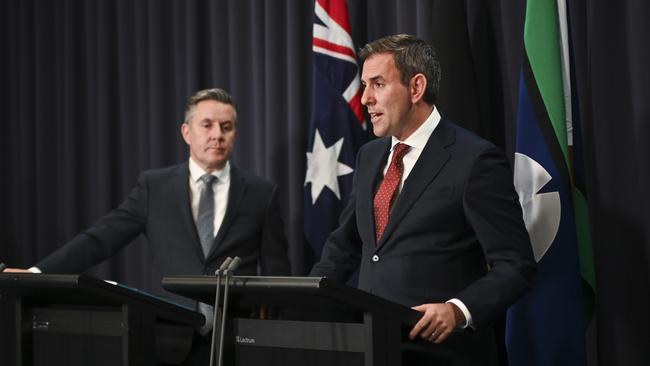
point(16, 270)
point(438, 321)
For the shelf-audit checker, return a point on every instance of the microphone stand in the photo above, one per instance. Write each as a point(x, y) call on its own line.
point(218, 272)
point(227, 273)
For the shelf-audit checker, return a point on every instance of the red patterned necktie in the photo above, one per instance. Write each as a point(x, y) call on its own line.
point(387, 191)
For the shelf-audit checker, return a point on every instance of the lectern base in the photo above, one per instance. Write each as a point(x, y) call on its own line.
point(50, 348)
point(292, 357)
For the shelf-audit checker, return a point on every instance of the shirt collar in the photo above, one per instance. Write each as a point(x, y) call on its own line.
point(196, 172)
point(419, 138)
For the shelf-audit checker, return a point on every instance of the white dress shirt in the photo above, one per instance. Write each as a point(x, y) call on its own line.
point(417, 141)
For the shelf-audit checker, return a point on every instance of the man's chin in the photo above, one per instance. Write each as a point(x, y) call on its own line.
point(378, 131)
point(216, 164)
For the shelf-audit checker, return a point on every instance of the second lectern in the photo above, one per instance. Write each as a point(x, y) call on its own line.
point(311, 321)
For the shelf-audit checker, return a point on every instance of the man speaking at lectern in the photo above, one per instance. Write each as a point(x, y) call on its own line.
point(433, 221)
point(194, 214)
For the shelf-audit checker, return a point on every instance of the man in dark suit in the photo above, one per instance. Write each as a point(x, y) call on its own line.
point(195, 214)
point(433, 221)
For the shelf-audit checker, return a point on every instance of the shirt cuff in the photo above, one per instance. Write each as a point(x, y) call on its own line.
point(34, 270)
point(465, 311)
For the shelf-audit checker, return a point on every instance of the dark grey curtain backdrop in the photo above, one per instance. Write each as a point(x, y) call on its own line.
point(612, 58)
point(92, 93)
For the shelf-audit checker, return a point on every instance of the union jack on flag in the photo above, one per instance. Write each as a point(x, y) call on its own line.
point(337, 127)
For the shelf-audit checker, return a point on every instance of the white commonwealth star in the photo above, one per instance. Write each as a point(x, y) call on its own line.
point(542, 211)
point(323, 167)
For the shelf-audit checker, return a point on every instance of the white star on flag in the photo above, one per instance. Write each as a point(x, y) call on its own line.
point(542, 211)
point(324, 168)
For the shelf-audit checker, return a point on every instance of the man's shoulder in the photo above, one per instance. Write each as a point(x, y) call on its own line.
point(248, 177)
point(464, 137)
point(167, 171)
point(447, 132)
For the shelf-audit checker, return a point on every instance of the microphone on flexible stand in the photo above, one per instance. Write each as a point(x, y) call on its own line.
point(227, 273)
point(223, 267)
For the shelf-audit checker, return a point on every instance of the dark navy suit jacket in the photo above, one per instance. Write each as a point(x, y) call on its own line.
point(159, 207)
point(455, 231)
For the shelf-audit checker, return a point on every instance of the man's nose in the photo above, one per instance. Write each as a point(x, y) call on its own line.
point(216, 133)
point(366, 96)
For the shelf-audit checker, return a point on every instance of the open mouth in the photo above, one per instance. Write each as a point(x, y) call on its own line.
point(375, 116)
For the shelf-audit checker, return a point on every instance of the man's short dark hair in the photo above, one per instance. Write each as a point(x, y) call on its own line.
point(215, 94)
point(412, 56)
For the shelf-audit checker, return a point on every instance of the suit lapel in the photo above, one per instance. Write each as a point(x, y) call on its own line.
point(235, 195)
point(369, 176)
point(433, 158)
point(182, 186)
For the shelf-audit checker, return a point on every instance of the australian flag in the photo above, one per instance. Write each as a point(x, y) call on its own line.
point(337, 127)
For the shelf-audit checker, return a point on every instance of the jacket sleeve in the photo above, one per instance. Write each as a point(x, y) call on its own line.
point(492, 208)
point(341, 254)
point(273, 248)
point(107, 236)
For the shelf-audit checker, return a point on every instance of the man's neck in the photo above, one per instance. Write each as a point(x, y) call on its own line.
point(417, 116)
point(207, 170)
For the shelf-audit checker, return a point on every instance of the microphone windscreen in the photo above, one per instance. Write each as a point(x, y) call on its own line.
point(234, 264)
point(224, 265)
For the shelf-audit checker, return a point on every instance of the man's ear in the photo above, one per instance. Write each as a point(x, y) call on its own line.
point(185, 132)
point(417, 87)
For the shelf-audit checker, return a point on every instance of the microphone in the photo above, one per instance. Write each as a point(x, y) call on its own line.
point(233, 265)
point(228, 273)
point(215, 315)
point(223, 266)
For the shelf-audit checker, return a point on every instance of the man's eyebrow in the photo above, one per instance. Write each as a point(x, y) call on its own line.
point(375, 78)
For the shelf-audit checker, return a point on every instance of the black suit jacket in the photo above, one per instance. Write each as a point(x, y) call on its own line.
point(455, 231)
point(159, 207)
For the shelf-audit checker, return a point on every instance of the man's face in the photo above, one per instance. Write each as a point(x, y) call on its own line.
point(210, 134)
point(387, 99)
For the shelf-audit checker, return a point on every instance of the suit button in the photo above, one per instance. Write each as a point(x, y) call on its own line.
point(375, 258)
